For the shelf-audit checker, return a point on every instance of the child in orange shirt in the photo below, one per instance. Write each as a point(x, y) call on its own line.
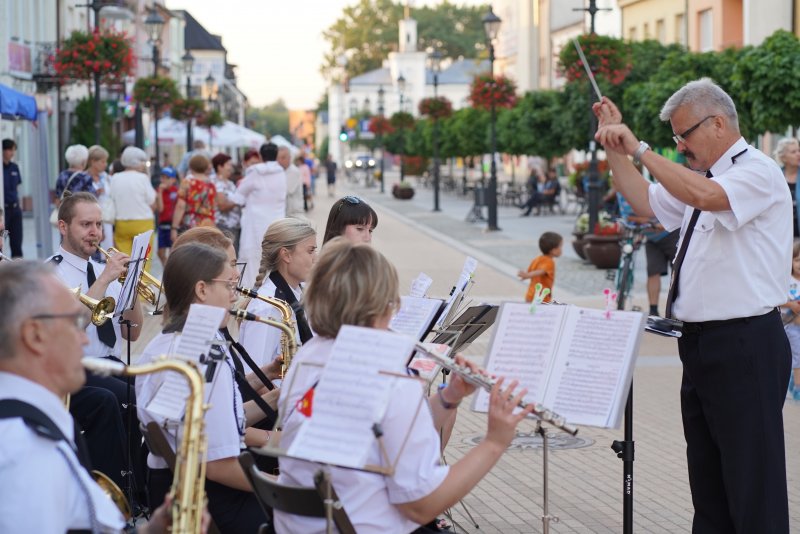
point(542, 269)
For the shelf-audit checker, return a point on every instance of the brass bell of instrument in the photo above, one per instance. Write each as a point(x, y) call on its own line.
point(102, 310)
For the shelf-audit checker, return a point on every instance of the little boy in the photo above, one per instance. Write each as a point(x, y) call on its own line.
point(542, 269)
point(165, 204)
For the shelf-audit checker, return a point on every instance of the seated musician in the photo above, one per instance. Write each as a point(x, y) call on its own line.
point(197, 273)
point(354, 284)
point(288, 251)
point(46, 485)
point(352, 218)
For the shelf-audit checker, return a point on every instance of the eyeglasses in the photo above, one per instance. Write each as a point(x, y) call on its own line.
point(80, 319)
point(232, 284)
point(681, 138)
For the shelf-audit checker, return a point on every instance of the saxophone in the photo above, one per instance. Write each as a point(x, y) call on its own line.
point(288, 341)
point(288, 334)
point(188, 484)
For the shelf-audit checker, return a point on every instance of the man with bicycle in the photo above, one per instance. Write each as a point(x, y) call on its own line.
point(729, 276)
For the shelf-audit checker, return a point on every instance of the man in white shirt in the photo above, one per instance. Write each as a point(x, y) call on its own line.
point(729, 275)
point(294, 184)
point(46, 486)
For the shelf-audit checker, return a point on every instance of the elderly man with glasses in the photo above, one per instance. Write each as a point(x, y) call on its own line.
point(729, 275)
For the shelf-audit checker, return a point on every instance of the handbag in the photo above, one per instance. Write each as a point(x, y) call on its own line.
point(54, 213)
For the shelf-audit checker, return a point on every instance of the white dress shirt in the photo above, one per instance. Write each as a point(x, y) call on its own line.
point(224, 419)
point(294, 192)
point(42, 483)
point(261, 341)
point(738, 261)
point(368, 498)
point(72, 271)
point(133, 195)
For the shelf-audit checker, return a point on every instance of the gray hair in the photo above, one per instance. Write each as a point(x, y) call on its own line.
point(96, 153)
point(783, 145)
point(22, 294)
point(704, 96)
point(133, 157)
point(76, 156)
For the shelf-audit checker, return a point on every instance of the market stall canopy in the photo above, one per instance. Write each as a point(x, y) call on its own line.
point(16, 105)
point(172, 132)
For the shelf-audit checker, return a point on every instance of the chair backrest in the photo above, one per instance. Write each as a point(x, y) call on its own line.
point(307, 502)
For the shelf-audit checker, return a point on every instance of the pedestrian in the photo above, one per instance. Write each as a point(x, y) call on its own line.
point(330, 170)
point(166, 199)
point(96, 165)
point(228, 214)
point(197, 198)
point(74, 178)
point(305, 175)
point(198, 147)
point(729, 276)
point(12, 208)
point(787, 154)
point(251, 157)
point(352, 218)
point(792, 323)
point(542, 270)
point(294, 184)
point(134, 200)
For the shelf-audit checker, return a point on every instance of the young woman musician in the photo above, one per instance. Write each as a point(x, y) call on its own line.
point(289, 249)
point(354, 284)
point(352, 218)
point(197, 273)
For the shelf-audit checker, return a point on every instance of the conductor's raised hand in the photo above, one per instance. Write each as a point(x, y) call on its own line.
point(502, 419)
point(607, 112)
point(617, 138)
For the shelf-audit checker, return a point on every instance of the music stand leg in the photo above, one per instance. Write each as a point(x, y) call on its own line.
point(546, 517)
point(130, 479)
point(625, 451)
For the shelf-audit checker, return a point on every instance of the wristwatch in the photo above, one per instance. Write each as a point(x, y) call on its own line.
point(637, 156)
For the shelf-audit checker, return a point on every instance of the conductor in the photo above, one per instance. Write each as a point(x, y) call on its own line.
point(729, 275)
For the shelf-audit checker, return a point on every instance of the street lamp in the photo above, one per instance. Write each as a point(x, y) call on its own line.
point(188, 67)
point(153, 24)
point(211, 88)
point(491, 26)
point(96, 6)
point(401, 87)
point(436, 61)
point(381, 93)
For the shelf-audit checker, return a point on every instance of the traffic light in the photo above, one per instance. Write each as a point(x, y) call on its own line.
point(343, 135)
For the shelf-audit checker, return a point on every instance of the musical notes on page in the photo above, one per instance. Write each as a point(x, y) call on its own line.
point(420, 285)
point(139, 250)
point(415, 316)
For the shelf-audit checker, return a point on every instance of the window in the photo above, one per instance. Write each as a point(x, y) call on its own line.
point(661, 31)
point(706, 25)
point(646, 30)
point(680, 29)
point(632, 33)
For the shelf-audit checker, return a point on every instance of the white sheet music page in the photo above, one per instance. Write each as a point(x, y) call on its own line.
point(522, 348)
point(420, 285)
point(593, 367)
point(415, 316)
point(351, 396)
point(139, 252)
point(428, 369)
point(202, 325)
point(467, 271)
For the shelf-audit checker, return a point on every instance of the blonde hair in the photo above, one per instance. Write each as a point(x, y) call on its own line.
point(782, 147)
point(351, 283)
point(284, 233)
point(96, 153)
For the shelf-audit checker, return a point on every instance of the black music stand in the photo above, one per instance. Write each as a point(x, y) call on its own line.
point(467, 327)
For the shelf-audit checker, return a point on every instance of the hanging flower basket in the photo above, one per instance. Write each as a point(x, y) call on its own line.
point(380, 125)
point(486, 88)
point(184, 109)
point(156, 92)
point(210, 118)
point(83, 55)
point(609, 58)
point(402, 120)
point(436, 108)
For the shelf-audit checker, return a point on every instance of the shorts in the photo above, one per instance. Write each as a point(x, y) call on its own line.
point(660, 254)
point(164, 237)
point(793, 333)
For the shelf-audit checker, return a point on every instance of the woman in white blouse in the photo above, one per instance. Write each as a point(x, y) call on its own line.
point(134, 199)
point(96, 166)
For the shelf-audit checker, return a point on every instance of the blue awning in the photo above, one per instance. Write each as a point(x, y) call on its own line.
point(16, 105)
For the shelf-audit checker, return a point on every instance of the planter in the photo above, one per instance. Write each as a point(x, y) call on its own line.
point(603, 251)
point(579, 243)
point(403, 193)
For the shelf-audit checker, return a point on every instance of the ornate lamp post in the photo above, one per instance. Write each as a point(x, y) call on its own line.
point(381, 94)
point(211, 89)
point(154, 23)
point(401, 87)
point(491, 25)
point(436, 60)
point(188, 67)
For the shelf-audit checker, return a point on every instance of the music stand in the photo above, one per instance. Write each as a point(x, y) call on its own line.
point(467, 327)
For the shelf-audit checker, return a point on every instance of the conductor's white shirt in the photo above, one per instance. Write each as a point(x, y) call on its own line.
point(262, 341)
point(72, 270)
point(369, 499)
point(738, 262)
point(42, 483)
point(224, 419)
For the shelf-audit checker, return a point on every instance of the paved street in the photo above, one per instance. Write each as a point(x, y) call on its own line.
point(585, 475)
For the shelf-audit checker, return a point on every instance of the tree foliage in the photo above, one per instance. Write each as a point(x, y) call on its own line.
point(83, 130)
point(270, 120)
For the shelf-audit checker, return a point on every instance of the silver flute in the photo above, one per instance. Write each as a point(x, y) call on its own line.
point(486, 382)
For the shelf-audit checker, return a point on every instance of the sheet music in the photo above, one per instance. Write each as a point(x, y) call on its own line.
point(169, 400)
point(351, 396)
point(420, 285)
point(467, 271)
point(429, 369)
point(415, 316)
point(139, 250)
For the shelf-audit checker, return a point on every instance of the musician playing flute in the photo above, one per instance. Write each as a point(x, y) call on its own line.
point(354, 284)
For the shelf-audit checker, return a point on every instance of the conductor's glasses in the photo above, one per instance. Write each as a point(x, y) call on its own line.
point(681, 137)
point(80, 319)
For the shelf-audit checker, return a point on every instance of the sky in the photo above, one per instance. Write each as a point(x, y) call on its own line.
point(277, 44)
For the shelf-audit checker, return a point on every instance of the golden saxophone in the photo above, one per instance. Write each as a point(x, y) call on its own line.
point(486, 382)
point(288, 342)
point(288, 334)
point(188, 484)
point(148, 286)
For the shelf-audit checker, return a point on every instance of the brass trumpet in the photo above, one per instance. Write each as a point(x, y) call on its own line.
point(102, 310)
point(148, 287)
point(288, 342)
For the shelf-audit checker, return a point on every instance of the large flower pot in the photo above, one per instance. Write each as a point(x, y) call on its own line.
point(579, 243)
point(603, 251)
point(403, 193)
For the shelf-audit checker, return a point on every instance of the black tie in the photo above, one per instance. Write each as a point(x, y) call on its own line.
point(105, 331)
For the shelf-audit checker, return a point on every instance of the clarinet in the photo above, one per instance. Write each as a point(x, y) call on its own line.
point(486, 382)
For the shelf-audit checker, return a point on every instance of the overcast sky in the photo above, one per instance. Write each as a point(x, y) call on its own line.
point(277, 44)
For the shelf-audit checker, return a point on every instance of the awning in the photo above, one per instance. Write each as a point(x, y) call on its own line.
point(16, 105)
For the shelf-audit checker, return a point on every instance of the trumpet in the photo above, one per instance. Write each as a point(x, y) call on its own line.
point(286, 316)
point(102, 310)
point(148, 286)
point(288, 342)
point(486, 382)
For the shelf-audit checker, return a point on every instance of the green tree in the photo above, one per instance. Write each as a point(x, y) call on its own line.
point(471, 127)
point(538, 112)
point(83, 130)
point(270, 120)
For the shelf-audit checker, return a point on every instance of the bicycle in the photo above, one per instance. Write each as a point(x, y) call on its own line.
point(631, 241)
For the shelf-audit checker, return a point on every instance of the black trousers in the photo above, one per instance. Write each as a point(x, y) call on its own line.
point(732, 394)
point(13, 220)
